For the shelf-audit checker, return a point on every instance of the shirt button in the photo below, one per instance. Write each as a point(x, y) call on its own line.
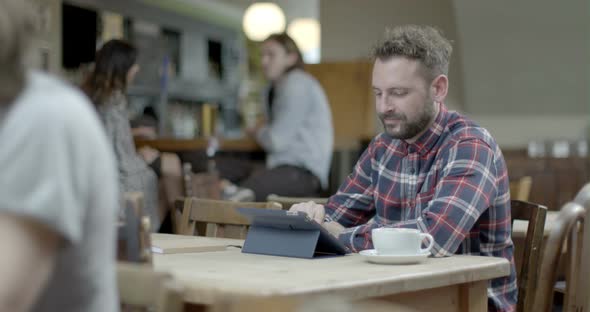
point(412, 170)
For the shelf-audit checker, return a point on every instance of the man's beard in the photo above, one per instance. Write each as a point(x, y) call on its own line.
point(408, 130)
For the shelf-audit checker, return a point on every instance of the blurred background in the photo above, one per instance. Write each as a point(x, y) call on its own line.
point(519, 68)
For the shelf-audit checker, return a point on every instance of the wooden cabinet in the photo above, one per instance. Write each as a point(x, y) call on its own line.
point(555, 180)
point(348, 88)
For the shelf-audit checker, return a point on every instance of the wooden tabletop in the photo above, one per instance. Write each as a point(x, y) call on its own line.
point(180, 145)
point(198, 240)
point(230, 145)
point(210, 276)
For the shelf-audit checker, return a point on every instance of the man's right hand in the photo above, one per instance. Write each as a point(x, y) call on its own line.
point(315, 211)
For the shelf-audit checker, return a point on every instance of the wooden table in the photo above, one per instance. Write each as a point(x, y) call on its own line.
point(245, 144)
point(182, 145)
point(443, 284)
point(198, 240)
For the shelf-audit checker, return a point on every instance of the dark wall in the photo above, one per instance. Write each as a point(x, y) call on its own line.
point(79, 29)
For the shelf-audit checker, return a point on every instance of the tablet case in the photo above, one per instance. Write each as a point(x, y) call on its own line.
point(289, 234)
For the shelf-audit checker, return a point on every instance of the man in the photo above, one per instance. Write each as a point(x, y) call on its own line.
point(58, 200)
point(432, 169)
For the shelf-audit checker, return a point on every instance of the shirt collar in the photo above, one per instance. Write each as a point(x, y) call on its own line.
point(429, 138)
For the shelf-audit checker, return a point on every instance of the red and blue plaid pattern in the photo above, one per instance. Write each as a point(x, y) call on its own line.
point(452, 183)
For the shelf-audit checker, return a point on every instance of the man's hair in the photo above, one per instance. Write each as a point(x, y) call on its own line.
point(17, 26)
point(424, 44)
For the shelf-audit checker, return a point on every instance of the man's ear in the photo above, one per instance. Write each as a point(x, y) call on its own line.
point(439, 88)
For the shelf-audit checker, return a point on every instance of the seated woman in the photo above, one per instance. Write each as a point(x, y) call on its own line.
point(114, 69)
point(297, 133)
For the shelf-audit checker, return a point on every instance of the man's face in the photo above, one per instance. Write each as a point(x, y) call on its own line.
point(275, 60)
point(403, 98)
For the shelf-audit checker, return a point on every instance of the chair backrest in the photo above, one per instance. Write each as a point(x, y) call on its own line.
point(583, 196)
point(134, 242)
point(564, 227)
point(201, 185)
point(220, 215)
point(528, 272)
point(521, 188)
point(141, 287)
point(579, 260)
point(287, 202)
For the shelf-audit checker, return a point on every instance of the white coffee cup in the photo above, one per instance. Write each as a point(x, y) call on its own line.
point(400, 241)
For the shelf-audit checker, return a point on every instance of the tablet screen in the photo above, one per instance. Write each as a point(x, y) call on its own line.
point(295, 221)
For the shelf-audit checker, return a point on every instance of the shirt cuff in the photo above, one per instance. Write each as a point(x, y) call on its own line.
point(358, 238)
point(263, 137)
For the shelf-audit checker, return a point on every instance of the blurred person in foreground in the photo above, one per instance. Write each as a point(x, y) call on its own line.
point(431, 169)
point(115, 68)
point(58, 200)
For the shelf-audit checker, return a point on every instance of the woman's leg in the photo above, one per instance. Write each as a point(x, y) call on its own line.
point(171, 185)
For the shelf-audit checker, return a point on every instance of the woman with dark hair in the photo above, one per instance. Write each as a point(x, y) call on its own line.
point(297, 133)
point(115, 68)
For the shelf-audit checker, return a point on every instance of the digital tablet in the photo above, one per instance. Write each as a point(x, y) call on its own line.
point(293, 223)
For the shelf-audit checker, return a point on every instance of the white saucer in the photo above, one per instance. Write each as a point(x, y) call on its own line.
point(372, 256)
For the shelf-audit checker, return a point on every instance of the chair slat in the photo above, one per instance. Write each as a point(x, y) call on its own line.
point(528, 273)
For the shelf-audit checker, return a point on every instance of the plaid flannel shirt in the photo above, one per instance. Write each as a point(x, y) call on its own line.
point(452, 183)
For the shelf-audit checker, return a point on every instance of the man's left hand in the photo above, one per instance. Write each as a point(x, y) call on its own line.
point(148, 154)
point(253, 131)
point(334, 228)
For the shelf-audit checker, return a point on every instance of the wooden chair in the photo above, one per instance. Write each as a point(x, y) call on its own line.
point(134, 242)
point(521, 188)
point(564, 227)
point(221, 216)
point(201, 185)
point(140, 288)
point(287, 202)
point(528, 272)
point(582, 198)
point(578, 260)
